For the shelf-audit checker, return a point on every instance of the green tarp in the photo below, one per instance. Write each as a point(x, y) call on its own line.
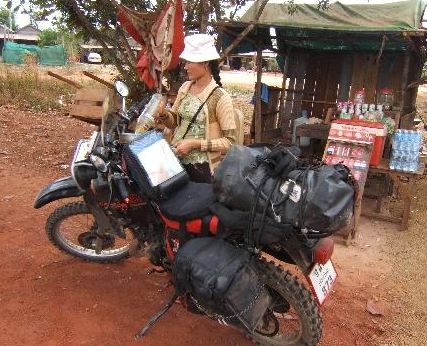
point(391, 16)
point(14, 53)
point(341, 27)
point(52, 55)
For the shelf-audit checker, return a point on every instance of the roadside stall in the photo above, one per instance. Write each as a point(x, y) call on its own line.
point(356, 63)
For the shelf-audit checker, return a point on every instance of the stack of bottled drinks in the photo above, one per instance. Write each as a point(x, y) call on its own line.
point(406, 150)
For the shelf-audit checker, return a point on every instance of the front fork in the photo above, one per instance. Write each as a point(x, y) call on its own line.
point(103, 222)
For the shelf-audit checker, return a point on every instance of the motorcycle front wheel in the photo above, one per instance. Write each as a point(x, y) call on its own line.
point(72, 229)
point(294, 317)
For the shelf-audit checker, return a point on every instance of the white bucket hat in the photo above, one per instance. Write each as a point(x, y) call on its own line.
point(199, 48)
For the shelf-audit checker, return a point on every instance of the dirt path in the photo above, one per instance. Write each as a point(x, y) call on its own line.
point(49, 298)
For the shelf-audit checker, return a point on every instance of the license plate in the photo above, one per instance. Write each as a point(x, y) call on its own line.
point(322, 279)
point(84, 148)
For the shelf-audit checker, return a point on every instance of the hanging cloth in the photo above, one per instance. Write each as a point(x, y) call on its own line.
point(162, 42)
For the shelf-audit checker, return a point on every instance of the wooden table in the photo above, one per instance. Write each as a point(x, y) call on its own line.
point(405, 190)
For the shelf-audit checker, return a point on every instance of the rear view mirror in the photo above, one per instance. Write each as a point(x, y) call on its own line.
point(121, 88)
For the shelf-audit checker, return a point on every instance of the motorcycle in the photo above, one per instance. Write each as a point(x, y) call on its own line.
point(97, 228)
point(116, 219)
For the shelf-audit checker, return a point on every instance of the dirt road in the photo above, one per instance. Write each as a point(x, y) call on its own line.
point(49, 298)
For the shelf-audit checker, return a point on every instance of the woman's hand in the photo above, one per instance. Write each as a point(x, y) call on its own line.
point(185, 146)
point(160, 118)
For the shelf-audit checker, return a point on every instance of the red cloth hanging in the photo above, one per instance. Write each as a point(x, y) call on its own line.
point(152, 39)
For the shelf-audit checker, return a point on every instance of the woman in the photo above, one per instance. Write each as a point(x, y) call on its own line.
point(201, 144)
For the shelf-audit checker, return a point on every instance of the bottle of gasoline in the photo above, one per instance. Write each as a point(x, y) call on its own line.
point(146, 119)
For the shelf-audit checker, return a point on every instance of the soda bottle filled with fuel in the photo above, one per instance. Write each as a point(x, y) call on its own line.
point(152, 108)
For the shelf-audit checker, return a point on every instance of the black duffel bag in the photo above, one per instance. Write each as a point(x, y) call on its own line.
point(244, 169)
point(221, 281)
point(318, 199)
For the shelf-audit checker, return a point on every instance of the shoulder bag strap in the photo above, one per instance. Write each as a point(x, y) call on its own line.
point(193, 119)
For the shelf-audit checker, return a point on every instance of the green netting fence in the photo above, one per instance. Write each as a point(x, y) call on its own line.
point(14, 53)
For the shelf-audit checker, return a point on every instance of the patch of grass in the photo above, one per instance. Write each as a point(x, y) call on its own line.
point(25, 88)
point(239, 89)
point(242, 97)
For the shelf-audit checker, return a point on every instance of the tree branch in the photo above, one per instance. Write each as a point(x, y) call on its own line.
point(92, 31)
point(127, 46)
point(248, 29)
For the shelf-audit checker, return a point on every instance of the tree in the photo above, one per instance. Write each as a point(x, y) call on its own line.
point(97, 19)
point(4, 18)
point(49, 37)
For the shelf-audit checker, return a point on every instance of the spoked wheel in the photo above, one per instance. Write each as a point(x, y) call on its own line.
point(88, 240)
point(72, 228)
point(294, 317)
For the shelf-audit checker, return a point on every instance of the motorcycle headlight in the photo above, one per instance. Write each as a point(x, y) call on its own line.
point(99, 163)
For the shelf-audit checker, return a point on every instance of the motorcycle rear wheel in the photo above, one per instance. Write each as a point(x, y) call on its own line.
point(301, 324)
point(81, 221)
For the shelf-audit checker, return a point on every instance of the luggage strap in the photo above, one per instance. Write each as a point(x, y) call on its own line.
point(223, 319)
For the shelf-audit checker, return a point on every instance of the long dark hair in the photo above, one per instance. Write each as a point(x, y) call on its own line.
point(214, 67)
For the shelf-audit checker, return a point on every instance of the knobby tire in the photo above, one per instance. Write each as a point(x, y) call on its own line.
point(52, 228)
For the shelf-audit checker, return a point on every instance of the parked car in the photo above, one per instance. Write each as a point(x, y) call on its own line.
point(94, 58)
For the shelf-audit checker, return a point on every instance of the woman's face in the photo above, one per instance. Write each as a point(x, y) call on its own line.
point(196, 70)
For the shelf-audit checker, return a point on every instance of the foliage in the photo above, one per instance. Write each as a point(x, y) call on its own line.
point(49, 37)
point(4, 18)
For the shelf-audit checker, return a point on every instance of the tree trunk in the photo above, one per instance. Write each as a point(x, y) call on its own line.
point(204, 10)
point(94, 33)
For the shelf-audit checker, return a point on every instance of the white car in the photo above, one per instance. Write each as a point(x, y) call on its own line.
point(93, 57)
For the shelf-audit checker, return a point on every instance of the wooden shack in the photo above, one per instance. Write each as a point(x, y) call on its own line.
point(330, 54)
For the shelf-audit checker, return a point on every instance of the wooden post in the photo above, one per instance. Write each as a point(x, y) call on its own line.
point(403, 89)
point(258, 127)
point(66, 80)
point(283, 92)
point(100, 80)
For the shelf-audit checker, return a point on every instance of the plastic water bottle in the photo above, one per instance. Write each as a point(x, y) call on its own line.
point(417, 142)
point(393, 160)
point(146, 119)
point(406, 150)
point(406, 158)
point(397, 139)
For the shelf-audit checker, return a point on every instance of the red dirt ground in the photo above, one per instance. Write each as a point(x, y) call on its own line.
point(50, 298)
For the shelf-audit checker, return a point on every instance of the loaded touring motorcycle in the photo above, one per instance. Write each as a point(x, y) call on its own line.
point(221, 242)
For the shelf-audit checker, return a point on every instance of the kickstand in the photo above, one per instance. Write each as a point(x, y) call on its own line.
point(152, 321)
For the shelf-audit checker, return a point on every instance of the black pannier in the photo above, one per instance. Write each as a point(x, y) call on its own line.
point(221, 281)
point(153, 166)
point(317, 198)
